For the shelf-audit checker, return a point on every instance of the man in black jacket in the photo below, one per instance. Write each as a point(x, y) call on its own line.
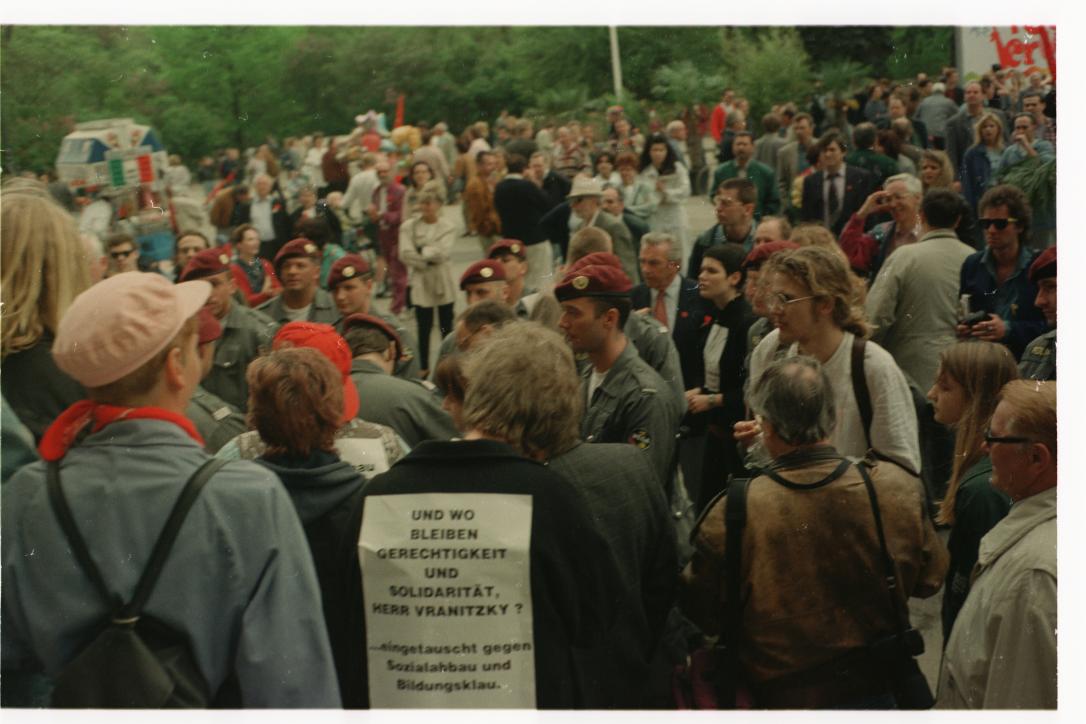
point(267, 211)
point(520, 204)
point(832, 194)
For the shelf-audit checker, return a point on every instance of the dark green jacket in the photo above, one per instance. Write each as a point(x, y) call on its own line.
point(764, 179)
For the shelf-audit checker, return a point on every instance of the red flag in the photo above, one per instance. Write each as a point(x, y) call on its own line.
point(399, 111)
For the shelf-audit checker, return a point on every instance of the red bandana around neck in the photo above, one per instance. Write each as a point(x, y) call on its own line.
point(64, 430)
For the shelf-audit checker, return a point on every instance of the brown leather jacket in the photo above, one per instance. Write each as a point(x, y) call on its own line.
point(813, 585)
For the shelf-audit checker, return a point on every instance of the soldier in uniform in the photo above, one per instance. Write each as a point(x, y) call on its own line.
point(350, 280)
point(406, 406)
point(216, 420)
point(244, 331)
point(1039, 360)
point(626, 399)
point(298, 266)
point(485, 279)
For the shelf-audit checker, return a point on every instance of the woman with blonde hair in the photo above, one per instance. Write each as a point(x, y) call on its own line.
point(44, 270)
point(964, 396)
point(981, 158)
point(936, 170)
point(426, 242)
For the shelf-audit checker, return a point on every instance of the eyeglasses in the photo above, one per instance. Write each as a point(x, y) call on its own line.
point(992, 440)
point(122, 254)
point(781, 300)
point(1000, 224)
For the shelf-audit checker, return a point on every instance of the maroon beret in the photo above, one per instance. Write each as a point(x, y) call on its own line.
point(501, 247)
point(485, 270)
point(1044, 266)
point(593, 280)
point(206, 263)
point(210, 328)
point(604, 258)
point(297, 247)
point(370, 320)
point(760, 254)
point(347, 267)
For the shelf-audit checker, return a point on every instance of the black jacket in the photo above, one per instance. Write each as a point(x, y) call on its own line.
point(859, 184)
point(520, 205)
point(687, 330)
point(575, 584)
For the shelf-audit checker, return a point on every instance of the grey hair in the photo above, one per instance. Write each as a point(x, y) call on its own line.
point(795, 396)
point(912, 183)
point(431, 191)
point(538, 418)
point(659, 238)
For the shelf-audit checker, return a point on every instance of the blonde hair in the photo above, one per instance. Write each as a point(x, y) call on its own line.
point(985, 117)
point(542, 418)
point(946, 169)
point(826, 274)
point(981, 369)
point(44, 268)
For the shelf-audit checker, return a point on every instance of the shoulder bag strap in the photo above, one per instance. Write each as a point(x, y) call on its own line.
point(859, 387)
point(71, 532)
point(166, 539)
point(900, 615)
point(735, 517)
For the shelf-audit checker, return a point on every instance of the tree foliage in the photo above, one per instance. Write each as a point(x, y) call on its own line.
point(209, 87)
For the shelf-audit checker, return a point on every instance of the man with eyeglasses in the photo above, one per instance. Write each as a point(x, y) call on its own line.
point(1002, 650)
point(124, 255)
point(734, 204)
point(996, 278)
point(813, 304)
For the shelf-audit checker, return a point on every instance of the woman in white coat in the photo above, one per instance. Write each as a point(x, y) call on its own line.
point(426, 241)
point(662, 169)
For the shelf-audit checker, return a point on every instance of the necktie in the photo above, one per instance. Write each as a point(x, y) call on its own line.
point(660, 310)
point(833, 204)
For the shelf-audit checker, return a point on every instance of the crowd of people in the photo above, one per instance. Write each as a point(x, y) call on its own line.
point(751, 443)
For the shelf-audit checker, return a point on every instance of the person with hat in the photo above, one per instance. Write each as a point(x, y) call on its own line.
point(371, 448)
point(585, 203)
point(626, 400)
point(407, 407)
point(350, 281)
point(425, 245)
point(513, 255)
point(217, 421)
point(239, 583)
point(298, 266)
point(244, 330)
point(485, 279)
point(1039, 360)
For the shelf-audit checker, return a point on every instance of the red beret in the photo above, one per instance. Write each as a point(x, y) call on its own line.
point(295, 248)
point(507, 246)
point(760, 254)
point(210, 329)
point(324, 339)
point(486, 270)
point(1044, 266)
point(347, 267)
point(605, 258)
point(369, 320)
point(593, 280)
point(206, 263)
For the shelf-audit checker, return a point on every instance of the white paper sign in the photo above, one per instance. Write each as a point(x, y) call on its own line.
point(448, 593)
point(366, 454)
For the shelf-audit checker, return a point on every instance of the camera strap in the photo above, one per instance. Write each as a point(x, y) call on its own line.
point(900, 615)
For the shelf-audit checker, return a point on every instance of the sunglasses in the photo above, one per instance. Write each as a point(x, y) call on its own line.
point(992, 440)
point(1000, 224)
point(122, 254)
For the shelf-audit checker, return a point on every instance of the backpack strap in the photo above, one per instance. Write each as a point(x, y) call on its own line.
point(131, 611)
point(735, 517)
point(859, 387)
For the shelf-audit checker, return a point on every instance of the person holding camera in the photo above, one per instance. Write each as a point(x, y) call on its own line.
point(899, 197)
point(819, 627)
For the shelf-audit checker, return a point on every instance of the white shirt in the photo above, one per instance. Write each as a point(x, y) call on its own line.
point(359, 193)
point(893, 424)
point(260, 216)
point(714, 348)
point(297, 315)
point(594, 381)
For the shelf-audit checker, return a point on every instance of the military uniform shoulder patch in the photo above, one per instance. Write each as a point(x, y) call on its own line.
point(640, 437)
point(221, 414)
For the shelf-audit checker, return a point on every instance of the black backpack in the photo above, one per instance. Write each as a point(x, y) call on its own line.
point(134, 661)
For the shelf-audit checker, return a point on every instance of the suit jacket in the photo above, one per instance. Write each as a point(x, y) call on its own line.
point(859, 184)
point(280, 220)
point(686, 332)
point(622, 241)
point(788, 165)
point(520, 205)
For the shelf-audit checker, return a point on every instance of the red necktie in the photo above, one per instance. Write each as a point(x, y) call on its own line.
point(660, 310)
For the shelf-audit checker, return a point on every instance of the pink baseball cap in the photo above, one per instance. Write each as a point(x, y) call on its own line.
point(324, 339)
point(120, 323)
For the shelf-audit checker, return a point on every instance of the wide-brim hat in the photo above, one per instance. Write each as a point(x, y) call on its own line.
point(583, 186)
